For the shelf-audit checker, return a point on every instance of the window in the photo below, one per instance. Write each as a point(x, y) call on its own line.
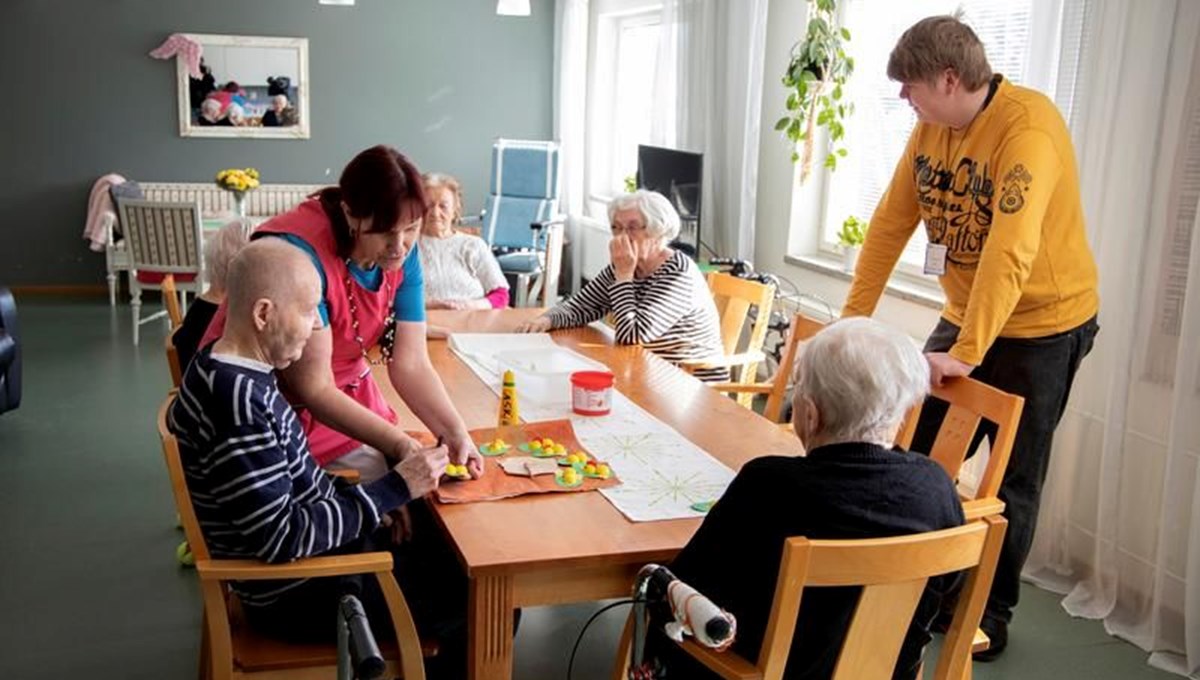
point(623, 59)
point(1022, 39)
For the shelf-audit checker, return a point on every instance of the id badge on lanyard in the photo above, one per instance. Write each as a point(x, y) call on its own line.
point(935, 259)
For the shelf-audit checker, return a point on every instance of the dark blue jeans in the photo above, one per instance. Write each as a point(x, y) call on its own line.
point(1041, 370)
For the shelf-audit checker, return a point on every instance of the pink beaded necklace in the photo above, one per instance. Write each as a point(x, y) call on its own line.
point(387, 342)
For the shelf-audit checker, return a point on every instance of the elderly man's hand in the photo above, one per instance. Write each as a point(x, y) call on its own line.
point(624, 253)
point(422, 470)
point(943, 366)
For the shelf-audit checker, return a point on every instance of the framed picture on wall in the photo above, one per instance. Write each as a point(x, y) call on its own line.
point(251, 86)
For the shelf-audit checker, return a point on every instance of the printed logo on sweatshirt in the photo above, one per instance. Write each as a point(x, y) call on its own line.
point(1012, 192)
point(956, 204)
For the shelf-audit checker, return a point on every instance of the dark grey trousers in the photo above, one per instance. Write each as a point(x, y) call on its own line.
point(1041, 370)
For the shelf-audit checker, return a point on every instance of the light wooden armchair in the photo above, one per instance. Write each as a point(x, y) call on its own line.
point(229, 649)
point(734, 297)
point(801, 329)
point(171, 301)
point(893, 573)
point(970, 401)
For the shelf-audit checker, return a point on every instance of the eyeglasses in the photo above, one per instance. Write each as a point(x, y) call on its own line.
point(632, 229)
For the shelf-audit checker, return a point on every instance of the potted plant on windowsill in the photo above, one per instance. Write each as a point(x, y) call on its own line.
point(851, 238)
point(816, 73)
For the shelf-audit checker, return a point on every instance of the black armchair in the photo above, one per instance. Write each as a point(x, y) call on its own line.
point(10, 353)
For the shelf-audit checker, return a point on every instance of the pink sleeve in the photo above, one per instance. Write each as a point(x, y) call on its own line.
point(498, 298)
point(215, 327)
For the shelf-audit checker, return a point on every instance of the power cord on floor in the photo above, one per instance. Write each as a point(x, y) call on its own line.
point(571, 662)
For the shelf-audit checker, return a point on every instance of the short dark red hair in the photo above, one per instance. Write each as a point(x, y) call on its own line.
point(379, 183)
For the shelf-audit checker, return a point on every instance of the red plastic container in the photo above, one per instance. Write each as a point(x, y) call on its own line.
point(591, 392)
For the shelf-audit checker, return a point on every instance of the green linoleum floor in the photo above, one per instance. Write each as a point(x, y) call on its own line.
point(89, 586)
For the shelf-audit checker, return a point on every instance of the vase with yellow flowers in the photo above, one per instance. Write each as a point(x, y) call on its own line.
point(238, 181)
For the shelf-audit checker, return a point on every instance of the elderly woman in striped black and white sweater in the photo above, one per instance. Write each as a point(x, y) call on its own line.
point(656, 295)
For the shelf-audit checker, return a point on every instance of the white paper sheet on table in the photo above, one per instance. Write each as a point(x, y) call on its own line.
point(662, 472)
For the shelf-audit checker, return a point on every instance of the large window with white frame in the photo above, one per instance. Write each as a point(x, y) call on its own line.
point(1025, 41)
point(623, 58)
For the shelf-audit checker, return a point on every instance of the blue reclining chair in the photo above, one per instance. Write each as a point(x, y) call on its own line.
point(521, 220)
point(10, 353)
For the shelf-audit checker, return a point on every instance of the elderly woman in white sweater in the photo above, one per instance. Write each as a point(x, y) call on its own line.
point(459, 269)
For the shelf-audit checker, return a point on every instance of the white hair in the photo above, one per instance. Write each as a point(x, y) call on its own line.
point(211, 106)
point(221, 247)
point(661, 219)
point(862, 376)
point(235, 111)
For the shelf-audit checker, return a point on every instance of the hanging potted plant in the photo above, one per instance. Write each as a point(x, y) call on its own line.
point(851, 238)
point(816, 75)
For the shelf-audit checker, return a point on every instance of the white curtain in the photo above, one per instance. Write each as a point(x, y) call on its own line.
point(708, 97)
point(1119, 531)
point(570, 98)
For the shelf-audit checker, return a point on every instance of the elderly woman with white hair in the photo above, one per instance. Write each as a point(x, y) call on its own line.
point(219, 250)
point(855, 380)
point(656, 295)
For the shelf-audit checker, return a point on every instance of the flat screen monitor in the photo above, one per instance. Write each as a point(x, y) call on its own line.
point(674, 174)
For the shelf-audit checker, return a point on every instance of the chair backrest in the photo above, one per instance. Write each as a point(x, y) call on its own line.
point(163, 237)
point(969, 401)
point(183, 499)
point(802, 328)
point(173, 365)
point(524, 189)
point(171, 300)
point(893, 573)
point(734, 297)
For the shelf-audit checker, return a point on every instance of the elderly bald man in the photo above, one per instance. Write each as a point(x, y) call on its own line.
point(855, 380)
point(258, 492)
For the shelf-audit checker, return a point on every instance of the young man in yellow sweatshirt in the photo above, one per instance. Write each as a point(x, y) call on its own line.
point(990, 171)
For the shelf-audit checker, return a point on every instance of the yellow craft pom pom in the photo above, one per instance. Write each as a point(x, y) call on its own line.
point(603, 470)
point(589, 469)
point(535, 445)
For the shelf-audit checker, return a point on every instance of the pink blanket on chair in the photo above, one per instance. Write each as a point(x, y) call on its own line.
point(100, 203)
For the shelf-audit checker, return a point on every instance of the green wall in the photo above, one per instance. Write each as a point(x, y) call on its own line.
point(437, 79)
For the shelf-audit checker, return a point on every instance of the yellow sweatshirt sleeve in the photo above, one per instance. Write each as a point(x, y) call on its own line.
point(892, 225)
point(1028, 170)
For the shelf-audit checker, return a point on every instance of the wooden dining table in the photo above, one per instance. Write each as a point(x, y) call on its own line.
point(571, 547)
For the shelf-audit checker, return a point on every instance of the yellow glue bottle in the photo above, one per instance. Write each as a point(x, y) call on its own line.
point(510, 412)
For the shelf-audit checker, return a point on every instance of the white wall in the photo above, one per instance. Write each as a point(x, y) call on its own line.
point(779, 206)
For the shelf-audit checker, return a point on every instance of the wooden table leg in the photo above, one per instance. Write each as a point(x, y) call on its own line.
point(490, 622)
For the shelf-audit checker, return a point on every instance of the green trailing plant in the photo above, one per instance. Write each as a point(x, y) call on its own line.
point(853, 233)
point(815, 79)
point(630, 184)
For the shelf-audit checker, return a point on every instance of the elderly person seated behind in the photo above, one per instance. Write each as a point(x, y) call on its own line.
point(259, 493)
point(219, 251)
point(460, 270)
point(212, 112)
point(855, 380)
point(275, 117)
point(656, 295)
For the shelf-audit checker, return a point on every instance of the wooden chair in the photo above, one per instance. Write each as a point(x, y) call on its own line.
point(171, 301)
point(162, 239)
point(229, 649)
point(802, 329)
point(734, 297)
point(893, 573)
point(173, 360)
point(970, 401)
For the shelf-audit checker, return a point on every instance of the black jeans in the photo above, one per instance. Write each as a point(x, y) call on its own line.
point(1041, 370)
point(434, 586)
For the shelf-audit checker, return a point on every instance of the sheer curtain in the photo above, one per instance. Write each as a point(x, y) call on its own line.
point(1119, 531)
point(570, 98)
point(708, 97)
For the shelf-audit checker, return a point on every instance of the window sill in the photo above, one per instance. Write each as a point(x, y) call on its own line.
point(897, 287)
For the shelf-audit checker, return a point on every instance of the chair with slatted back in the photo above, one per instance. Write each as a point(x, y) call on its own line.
point(734, 297)
point(969, 402)
point(229, 649)
point(162, 239)
point(802, 328)
point(893, 573)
